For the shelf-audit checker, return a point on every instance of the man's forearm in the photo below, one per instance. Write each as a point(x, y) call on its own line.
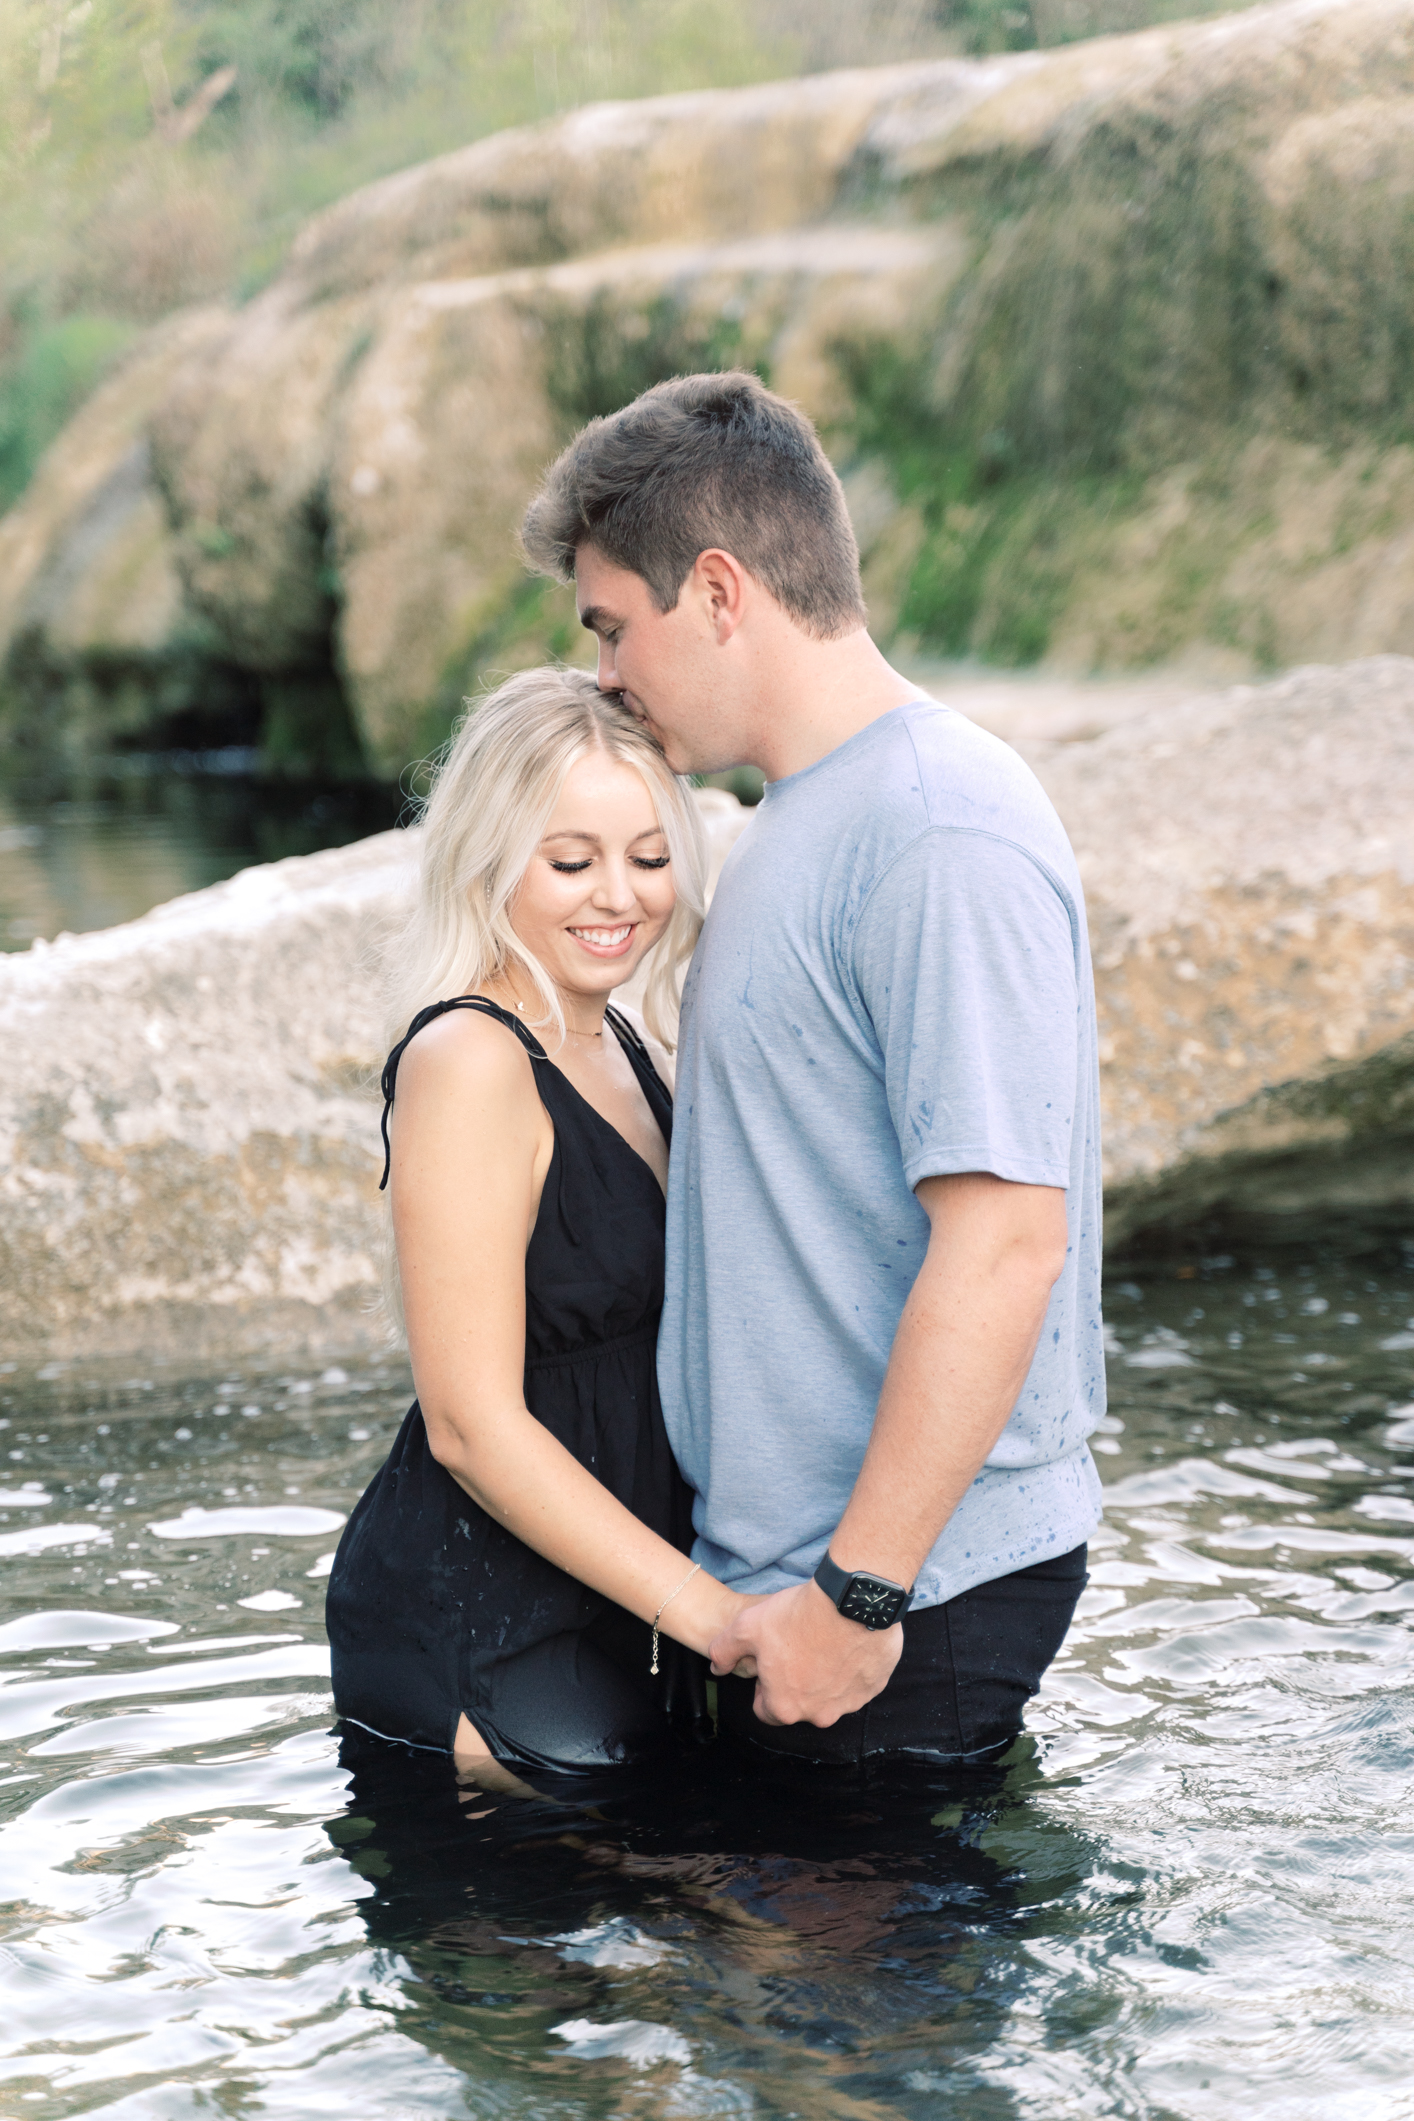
point(960, 1357)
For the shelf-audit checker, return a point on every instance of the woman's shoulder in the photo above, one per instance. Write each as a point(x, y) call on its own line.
point(466, 1049)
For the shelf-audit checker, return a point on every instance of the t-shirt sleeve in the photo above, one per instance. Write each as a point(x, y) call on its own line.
point(964, 958)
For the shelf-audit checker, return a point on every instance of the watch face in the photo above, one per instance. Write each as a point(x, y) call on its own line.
point(872, 1601)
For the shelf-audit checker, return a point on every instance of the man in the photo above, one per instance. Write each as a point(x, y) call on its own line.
point(881, 1352)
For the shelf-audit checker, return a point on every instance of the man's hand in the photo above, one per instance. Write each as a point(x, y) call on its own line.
point(812, 1666)
point(959, 1360)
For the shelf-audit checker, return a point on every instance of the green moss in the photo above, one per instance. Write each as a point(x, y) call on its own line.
point(604, 356)
point(991, 25)
point(536, 623)
point(306, 727)
point(994, 575)
point(56, 368)
point(1003, 542)
point(213, 540)
point(1136, 293)
point(746, 783)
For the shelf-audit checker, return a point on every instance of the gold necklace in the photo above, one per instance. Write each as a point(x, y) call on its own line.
point(570, 1030)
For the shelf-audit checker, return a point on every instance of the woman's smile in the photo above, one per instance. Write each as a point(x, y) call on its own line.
point(600, 890)
point(606, 942)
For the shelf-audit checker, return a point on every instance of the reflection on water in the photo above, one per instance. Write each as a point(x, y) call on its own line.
point(1185, 1893)
point(141, 831)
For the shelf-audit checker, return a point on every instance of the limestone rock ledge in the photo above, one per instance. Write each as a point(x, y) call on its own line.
point(1110, 343)
point(1249, 869)
point(188, 1122)
point(189, 1149)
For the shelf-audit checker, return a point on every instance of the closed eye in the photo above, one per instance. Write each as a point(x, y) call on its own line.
point(640, 861)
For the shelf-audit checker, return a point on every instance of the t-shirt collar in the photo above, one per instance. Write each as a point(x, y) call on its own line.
point(849, 749)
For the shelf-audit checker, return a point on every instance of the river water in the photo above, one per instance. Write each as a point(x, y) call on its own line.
point(1188, 1892)
point(128, 833)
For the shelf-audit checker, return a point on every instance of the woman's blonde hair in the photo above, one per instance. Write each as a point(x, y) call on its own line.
point(492, 795)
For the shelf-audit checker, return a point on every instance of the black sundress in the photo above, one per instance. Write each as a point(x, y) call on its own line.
point(434, 1608)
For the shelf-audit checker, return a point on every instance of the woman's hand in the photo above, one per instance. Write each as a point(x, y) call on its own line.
point(715, 1610)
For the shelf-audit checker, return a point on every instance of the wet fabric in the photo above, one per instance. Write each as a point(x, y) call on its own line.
point(957, 1694)
point(434, 1608)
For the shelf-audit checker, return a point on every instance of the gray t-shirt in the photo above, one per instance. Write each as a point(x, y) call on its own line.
point(893, 983)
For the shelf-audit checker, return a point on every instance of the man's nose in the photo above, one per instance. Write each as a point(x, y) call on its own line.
point(608, 677)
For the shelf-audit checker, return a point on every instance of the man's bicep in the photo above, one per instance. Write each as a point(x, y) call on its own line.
point(978, 1202)
point(965, 957)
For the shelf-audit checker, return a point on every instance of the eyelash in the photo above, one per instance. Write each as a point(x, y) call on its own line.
point(640, 861)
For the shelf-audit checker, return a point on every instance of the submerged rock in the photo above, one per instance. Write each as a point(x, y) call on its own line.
point(189, 1126)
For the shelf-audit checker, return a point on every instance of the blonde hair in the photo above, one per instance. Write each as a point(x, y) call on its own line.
point(492, 795)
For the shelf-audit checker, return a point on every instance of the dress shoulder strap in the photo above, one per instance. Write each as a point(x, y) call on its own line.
point(660, 1098)
point(389, 1081)
point(627, 1036)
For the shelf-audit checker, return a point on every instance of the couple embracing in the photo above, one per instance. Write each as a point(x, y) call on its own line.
point(805, 1396)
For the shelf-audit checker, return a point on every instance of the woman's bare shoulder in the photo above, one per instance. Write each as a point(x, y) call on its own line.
point(466, 1051)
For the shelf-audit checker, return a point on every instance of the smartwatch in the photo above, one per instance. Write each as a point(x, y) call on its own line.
point(871, 1600)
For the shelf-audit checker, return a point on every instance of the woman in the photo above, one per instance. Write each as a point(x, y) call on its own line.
point(498, 1591)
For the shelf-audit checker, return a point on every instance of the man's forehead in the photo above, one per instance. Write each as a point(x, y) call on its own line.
point(602, 587)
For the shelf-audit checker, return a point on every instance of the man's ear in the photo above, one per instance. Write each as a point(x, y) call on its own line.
point(723, 587)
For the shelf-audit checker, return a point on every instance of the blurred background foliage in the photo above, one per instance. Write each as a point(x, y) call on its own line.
point(156, 153)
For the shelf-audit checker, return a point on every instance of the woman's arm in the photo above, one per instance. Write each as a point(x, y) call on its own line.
point(471, 1147)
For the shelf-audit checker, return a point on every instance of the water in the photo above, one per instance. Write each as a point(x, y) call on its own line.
point(1188, 1893)
point(133, 832)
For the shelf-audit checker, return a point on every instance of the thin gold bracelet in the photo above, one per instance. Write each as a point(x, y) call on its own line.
point(664, 1607)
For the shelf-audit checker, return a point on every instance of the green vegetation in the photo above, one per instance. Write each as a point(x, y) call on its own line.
point(155, 153)
point(1168, 300)
point(606, 355)
point(1069, 435)
point(129, 186)
point(1001, 537)
point(54, 368)
point(537, 623)
point(306, 728)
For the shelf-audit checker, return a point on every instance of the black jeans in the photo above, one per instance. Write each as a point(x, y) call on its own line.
point(958, 1691)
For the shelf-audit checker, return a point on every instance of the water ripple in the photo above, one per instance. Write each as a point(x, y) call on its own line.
point(1185, 1894)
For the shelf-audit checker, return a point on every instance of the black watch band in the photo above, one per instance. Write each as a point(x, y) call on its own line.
point(871, 1600)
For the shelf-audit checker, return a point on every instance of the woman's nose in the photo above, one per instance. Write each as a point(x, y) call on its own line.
point(614, 891)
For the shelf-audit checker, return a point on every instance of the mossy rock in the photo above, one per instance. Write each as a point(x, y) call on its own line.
point(1110, 343)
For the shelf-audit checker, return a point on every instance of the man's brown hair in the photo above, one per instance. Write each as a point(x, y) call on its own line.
point(701, 462)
